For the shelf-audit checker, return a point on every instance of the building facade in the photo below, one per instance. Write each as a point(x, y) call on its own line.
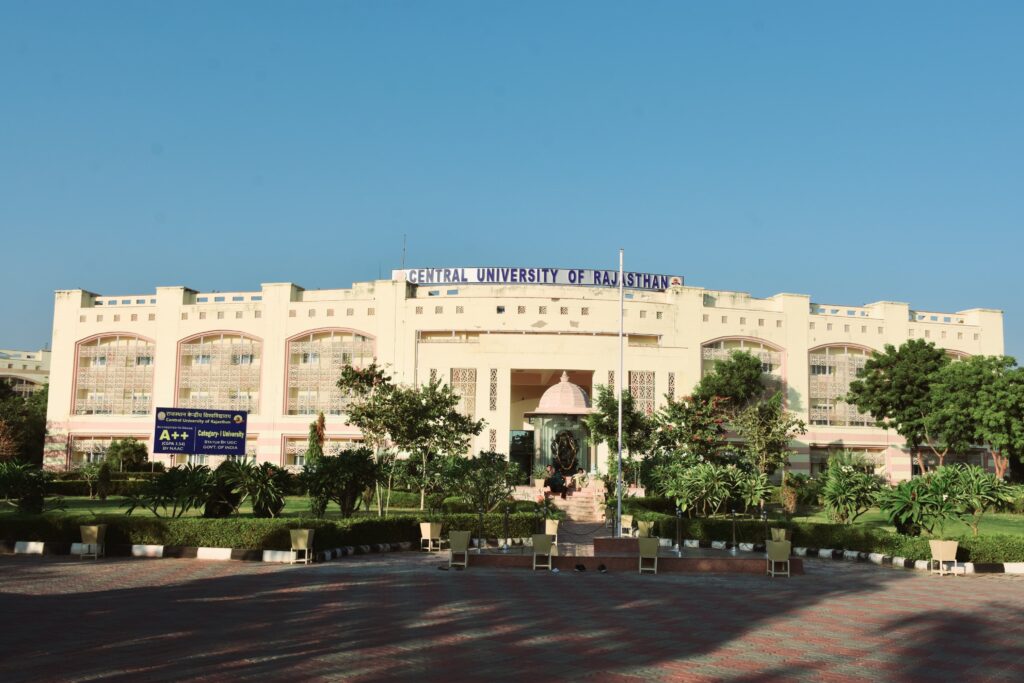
point(500, 341)
point(26, 371)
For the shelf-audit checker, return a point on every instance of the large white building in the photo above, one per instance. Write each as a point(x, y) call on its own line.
point(25, 371)
point(501, 337)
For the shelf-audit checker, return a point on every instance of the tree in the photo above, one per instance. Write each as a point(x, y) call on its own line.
point(848, 492)
point(317, 436)
point(603, 422)
point(487, 480)
point(999, 414)
point(340, 478)
point(767, 428)
point(951, 421)
point(735, 382)
point(690, 425)
point(9, 446)
point(428, 422)
point(24, 424)
point(422, 421)
point(895, 389)
point(126, 454)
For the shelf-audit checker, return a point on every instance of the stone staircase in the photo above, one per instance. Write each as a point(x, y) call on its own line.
point(583, 506)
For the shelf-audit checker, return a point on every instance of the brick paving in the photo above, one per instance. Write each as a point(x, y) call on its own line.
point(396, 617)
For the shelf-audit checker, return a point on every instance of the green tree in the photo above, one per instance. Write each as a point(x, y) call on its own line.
point(690, 425)
point(736, 382)
point(999, 414)
point(848, 492)
point(603, 424)
point(895, 389)
point(977, 492)
point(952, 421)
point(317, 436)
point(767, 429)
point(24, 424)
point(126, 454)
point(487, 480)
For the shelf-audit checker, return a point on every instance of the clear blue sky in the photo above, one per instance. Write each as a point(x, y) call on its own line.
point(853, 151)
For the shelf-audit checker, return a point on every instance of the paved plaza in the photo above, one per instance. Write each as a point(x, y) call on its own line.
point(396, 617)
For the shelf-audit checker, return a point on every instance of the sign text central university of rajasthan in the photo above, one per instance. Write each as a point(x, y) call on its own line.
point(583, 277)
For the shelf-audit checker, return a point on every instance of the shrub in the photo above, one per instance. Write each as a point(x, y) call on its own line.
point(848, 492)
point(269, 534)
point(178, 490)
point(340, 478)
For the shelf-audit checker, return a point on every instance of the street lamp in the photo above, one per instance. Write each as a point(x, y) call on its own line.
point(679, 531)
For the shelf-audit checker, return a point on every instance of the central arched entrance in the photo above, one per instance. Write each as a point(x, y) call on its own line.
point(561, 438)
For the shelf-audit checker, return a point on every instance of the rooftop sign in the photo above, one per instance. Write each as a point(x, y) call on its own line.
point(536, 276)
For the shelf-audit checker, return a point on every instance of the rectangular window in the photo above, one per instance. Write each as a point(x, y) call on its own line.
point(760, 322)
point(563, 310)
point(238, 315)
point(135, 317)
point(706, 317)
point(117, 318)
point(152, 316)
point(453, 292)
point(144, 360)
point(242, 359)
point(257, 314)
point(459, 309)
point(643, 314)
point(312, 313)
point(828, 327)
point(238, 298)
point(434, 292)
point(220, 315)
point(778, 323)
point(863, 329)
point(370, 311)
point(419, 310)
point(202, 299)
point(256, 297)
point(310, 357)
point(846, 328)
point(184, 316)
point(500, 309)
point(658, 315)
point(330, 312)
point(725, 318)
point(291, 314)
point(520, 309)
point(350, 311)
point(542, 310)
point(140, 301)
point(438, 310)
point(202, 315)
point(584, 311)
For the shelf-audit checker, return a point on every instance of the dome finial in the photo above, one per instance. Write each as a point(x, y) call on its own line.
point(565, 376)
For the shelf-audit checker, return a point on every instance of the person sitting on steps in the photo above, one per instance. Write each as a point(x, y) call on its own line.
point(555, 482)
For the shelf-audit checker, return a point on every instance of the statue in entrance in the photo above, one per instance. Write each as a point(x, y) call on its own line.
point(564, 448)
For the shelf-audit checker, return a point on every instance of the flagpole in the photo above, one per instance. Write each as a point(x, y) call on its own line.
point(621, 388)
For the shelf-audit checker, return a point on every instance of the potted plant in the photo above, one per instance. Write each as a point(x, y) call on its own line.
point(540, 473)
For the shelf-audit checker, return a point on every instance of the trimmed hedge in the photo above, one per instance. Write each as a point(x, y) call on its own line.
point(267, 534)
point(986, 549)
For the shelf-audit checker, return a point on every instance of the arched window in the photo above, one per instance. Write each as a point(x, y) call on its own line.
point(831, 369)
point(221, 371)
point(114, 376)
point(315, 360)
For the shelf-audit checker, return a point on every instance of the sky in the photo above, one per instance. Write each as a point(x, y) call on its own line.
point(856, 151)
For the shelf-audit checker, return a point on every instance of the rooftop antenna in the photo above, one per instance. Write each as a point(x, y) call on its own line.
point(403, 251)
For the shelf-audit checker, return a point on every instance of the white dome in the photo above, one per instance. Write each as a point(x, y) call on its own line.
point(564, 398)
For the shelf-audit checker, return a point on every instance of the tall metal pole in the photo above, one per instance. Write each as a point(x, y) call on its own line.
point(622, 384)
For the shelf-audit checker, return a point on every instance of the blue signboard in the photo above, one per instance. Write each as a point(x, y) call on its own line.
point(200, 431)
